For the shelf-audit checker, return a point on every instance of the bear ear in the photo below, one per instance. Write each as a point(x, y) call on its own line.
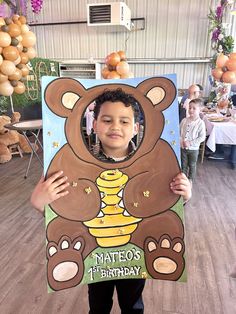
point(159, 90)
point(62, 94)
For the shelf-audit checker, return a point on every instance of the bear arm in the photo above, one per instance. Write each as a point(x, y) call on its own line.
point(148, 192)
point(83, 200)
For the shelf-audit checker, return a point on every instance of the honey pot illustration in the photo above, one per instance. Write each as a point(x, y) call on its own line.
point(113, 225)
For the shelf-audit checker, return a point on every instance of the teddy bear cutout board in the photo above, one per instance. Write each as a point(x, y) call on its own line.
point(120, 219)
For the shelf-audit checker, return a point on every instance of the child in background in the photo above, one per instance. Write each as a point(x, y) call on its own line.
point(115, 123)
point(192, 133)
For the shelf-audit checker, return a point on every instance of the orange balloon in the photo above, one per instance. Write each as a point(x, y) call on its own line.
point(113, 58)
point(20, 88)
point(122, 67)
point(124, 76)
point(232, 56)
point(15, 17)
point(10, 53)
point(231, 64)
point(113, 75)
point(28, 39)
point(105, 72)
point(14, 30)
point(22, 19)
point(3, 78)
point(122, 55)
point(5, 39)
point(221, 60)
point(217, 73)
point(228, 76)
point(1, 50)
point(1, 59)
point(24, 57)
point(31, 52)
point(7, 67)
point(25, 70)
point(6, 89)
point(16, 76)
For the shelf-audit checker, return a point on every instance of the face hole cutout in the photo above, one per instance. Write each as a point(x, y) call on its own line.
point(112, 128)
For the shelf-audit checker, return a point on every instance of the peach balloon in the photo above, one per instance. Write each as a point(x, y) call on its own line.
point(14, 30)
point(31, 52)
point(122, 55)
point(2, 22)
point(131, 74)
point(6, 89)
point(20, 88)
point(24, 57)
point(122, 67)
point(228, 77)
point(28, 39)
point(10, 53)
point(19, 47)
point(3, 78)
point(221, 60)
point(113, 75)
point(217, 73)
point(25, 70)
point(1, 50)
point(7, 67)
point(24, 29)
point(124, 76)
point(16, 76)
point(113, 58)
point(1, 59)
point(19, 38)
point(231, 64)
point(17, 61)
point(5, 39)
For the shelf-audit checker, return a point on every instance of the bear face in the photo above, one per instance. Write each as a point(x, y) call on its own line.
point(151, 94)
point(148, 168)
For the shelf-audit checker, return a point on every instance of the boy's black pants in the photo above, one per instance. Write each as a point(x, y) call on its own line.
point(129, 292)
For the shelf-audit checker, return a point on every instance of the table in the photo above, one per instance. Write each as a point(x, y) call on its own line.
point(33, 127)
point(222, 132)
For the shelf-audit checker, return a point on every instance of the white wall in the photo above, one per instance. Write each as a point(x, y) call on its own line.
point(173, 29)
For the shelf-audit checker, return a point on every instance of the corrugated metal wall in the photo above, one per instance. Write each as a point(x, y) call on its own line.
point(173, 29)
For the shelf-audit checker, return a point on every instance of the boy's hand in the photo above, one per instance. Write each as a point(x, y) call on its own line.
point(181, 186)
point(48, 191)
point(186, 144)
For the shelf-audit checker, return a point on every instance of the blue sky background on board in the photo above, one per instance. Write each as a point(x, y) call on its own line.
point(53, 126)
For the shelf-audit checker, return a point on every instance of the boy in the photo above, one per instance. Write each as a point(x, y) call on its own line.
point(192, 133)
point(115, 123)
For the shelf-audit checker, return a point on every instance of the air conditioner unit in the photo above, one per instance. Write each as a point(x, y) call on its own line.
point(103, 14)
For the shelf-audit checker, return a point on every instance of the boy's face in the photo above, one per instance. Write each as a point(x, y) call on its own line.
point(194, 110)
point(115, 127)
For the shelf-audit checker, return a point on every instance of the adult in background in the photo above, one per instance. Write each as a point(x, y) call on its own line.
point(194, 91)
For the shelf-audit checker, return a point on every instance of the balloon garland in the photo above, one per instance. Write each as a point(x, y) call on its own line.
point(16, 49)
point(116, 66)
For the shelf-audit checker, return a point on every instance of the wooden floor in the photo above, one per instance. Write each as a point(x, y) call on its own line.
point(211, 250)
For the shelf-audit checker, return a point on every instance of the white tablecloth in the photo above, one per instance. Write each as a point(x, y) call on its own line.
point(220, 133)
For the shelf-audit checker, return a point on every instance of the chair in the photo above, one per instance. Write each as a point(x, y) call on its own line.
point(202, 151)
point(15, 149)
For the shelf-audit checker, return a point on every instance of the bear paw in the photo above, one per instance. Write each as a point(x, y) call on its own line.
point(164, 259)
point(65, 266)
